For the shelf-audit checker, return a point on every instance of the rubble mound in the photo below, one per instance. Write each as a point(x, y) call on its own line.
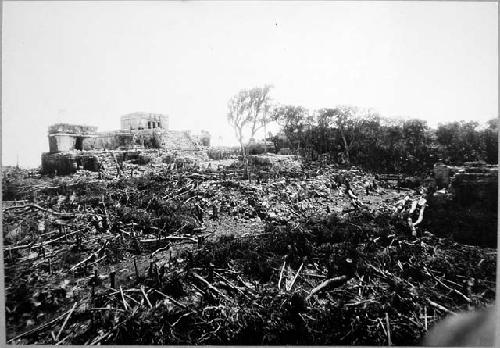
point(280, 162)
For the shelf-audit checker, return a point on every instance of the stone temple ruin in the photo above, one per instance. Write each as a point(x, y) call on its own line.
point(467, 202)
point(141, 135)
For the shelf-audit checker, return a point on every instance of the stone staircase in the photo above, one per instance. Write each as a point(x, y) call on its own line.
point(178, 140)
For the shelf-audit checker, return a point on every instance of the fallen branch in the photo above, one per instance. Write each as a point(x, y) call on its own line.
point(329, 283)
point(152, 240)
point(128, 290)
point(17, 247)
point(105, 309)
point(36, 206)
point(453, 290)
point(295, 277)
point(230, 285)
point(281, 275)
point(98, 339)
point(314, 275)
point(210, 286)
point(182, 316)
point(159, 250)
point(125, 305)
point(65, 322)
point(172, 300)
point(389, 341)
point(146, 296)
point(48, 255)
point(133, 300)
point(246, 285)
point(41, 327)
point(382, 325)
point(438, 306)
point(89, 258)
point(360, 302)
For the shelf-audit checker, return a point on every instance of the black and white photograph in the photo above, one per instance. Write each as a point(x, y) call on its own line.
point(249, 173)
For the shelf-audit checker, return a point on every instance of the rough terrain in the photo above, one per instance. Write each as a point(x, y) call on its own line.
point(203, 256)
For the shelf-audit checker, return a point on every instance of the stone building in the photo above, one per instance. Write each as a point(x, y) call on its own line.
point(67, 137)
point(143, 120)
point(468, 210)
point(71, 145)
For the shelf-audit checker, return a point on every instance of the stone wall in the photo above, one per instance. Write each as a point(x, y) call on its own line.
point(70, 162)
point(109, 141)
point(468, 211)
point(146, 138)
point(476, 186)
point(61, 142)
point(67, 163)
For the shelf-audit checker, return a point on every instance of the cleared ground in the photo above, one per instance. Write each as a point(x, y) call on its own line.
point(199, 257)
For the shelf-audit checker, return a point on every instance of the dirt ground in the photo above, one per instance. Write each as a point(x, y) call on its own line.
point(202, 257)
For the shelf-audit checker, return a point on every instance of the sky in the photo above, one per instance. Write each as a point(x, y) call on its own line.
point(91, 62)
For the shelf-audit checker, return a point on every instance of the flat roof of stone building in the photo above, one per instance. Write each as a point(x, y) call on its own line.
point(142, 115)
point(68, 128)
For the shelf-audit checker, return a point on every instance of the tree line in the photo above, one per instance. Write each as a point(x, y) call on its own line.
point(354, 136)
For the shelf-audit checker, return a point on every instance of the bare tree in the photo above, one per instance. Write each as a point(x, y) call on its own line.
point(247, 110)
point(267, 112)
point(259, 104)
point(238, 116)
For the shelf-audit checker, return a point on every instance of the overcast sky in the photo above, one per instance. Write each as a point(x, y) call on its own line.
point(91, 62)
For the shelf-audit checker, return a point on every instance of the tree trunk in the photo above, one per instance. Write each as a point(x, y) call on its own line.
point(265, 141)
point(346, 149)
point(242, 149)
point(245, 159)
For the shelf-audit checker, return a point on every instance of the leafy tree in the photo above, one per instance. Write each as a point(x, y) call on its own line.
point(346, 123)
point(325, 135)
point(293, 119)
point(416, 139)
point(366, 148)
point(489, 141)
point(459, 141)
point(384, 144)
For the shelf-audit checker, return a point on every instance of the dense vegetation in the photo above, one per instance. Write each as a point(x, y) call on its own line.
point(377, 143)
point(350, 135)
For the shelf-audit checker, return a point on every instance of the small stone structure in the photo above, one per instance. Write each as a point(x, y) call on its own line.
point(63, 163)
point(259, 147)
point(66, 137)
point(75, 146)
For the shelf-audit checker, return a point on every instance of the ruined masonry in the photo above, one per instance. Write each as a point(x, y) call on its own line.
point(141, 135)
point(468, 207)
